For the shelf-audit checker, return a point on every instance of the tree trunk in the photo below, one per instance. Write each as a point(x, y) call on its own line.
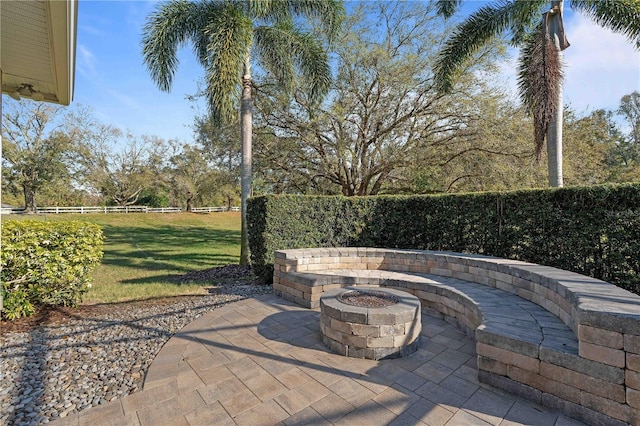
point(29, 198)
point(554, 131)
point(246, 123)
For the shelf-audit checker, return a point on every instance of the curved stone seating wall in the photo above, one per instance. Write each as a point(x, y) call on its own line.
point(558, 338)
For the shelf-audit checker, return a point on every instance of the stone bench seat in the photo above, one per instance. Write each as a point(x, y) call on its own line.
point(558, 338)
point(488, 314)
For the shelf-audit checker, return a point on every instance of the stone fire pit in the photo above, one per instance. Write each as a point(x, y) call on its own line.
point(370, 322)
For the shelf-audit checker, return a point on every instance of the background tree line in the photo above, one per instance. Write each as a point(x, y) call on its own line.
point(63, 157)
point(384, 127)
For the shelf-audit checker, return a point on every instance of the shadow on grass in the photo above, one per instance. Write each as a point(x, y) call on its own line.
point(172, 279)
point(172, 236)
point(174, 248)
point(156, 260)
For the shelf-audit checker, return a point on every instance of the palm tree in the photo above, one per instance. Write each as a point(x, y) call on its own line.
point(227, 36)
point(540, 34)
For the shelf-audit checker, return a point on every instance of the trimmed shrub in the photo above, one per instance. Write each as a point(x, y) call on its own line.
point(594, 231)
point(46, 263)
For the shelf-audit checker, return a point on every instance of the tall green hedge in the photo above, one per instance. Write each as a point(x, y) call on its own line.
point(593, 231)
point(46, 263)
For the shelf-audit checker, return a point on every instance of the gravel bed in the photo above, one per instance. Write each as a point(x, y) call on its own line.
point(56, 369)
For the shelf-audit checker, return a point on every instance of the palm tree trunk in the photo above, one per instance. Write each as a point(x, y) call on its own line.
point(246, 123)
point(554, 131)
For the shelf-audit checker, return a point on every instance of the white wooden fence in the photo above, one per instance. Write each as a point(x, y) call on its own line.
point(118, 209)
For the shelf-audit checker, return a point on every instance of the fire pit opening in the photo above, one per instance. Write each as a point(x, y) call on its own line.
point(373, 323)
point(368, 298)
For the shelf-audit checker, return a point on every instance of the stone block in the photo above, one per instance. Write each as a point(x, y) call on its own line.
point(508, 357)
point(357, 341)
point(295, 293)
point(312, 297)
point(453, 304)
point(329, 310)
point(511, 386)
point(633, 362)
point(632, 343)
point(478, 271)
point(341, 326)
point(400, 341)
point(501, 277)
point(529, 378)
point(589, 416)
point(576, 363)
point(336, 335)
point(390, 330)
point(561, 390)
point(583, 382)
point(600, 337)
point(441, 271)
point(360, 352)
point(527, 295)
point(632, 379)
point(329, 287)
point(602, 354)
point(491, 365)
point(336, 347)
point(318, 289)
point(622, 412)
point(366, 330)
point(633, 398)
point(381, 316)
point(429, 296)
point(380, 342)
point(518, 344)
point(356, 315)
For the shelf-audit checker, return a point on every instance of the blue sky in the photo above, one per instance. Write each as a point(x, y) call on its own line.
point(112, 80)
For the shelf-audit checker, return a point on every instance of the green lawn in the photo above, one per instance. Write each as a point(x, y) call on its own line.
point(142, 252)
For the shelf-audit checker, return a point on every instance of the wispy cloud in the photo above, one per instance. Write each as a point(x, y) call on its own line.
point(91, 30)
point(131, 103)
point(600, 66)
point(86, 62)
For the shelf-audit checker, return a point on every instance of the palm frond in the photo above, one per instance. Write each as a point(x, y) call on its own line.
point(447, 8)
point(207, 11)
point(283, 50)
point(524, 19)
point(540, 81)
point(273, 47)
point(478, 29)
point(166, 29)
point(267, 9)
point(329, 13)
point(620, 16)
point(230, 35)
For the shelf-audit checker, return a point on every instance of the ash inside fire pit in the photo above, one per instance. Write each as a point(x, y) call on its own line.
point(368, 299)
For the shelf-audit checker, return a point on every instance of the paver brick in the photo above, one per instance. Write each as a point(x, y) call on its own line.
point(633, 398)
point(508, 357)
point(608, 407)
point(633, 362)
point(632, 379)
point(602, 354)
point(584, 382)
point(632, 343)
point(492, 365)
point(600, 337)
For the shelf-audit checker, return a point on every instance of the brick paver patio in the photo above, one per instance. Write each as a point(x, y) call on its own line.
point(261, 361)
